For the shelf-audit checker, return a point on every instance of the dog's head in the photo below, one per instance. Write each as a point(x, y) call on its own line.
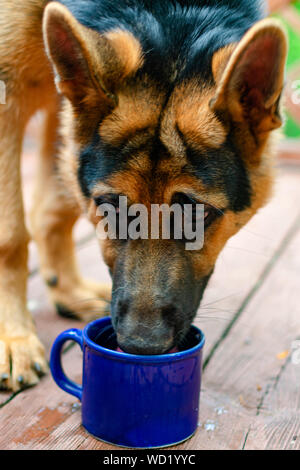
point(192, 141)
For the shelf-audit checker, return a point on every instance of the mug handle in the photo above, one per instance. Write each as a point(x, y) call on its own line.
point(55, 361)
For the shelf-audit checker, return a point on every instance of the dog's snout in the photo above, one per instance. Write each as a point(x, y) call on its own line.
point(144, 342)
point(144, 331)
point(140, 346)
point(160, 309)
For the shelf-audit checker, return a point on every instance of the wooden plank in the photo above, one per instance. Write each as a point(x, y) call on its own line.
point(289, 151)
point(36, 413)
point(246, 256)
point(246, 376)
point(278, 423)
point(46, 417)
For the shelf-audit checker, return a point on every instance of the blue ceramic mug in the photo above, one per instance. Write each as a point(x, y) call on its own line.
point(129, 400)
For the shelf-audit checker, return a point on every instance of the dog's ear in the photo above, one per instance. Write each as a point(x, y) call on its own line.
point(87, 64)
point(250, 78)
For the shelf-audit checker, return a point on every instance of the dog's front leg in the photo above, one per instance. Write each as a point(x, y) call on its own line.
point(22, 358)
point(54, 213)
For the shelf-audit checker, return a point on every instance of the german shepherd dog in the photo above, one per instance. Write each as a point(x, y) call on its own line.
point(156, 100)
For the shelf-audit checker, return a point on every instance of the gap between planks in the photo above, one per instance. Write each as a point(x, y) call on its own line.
point(252, 374)
point(287, 239)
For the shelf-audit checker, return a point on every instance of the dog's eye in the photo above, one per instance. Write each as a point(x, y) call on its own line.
point(210, 213)
point(117, 218)
point(107, 199)
point(112, 199)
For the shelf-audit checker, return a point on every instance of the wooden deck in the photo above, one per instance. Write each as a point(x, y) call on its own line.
point(250, 314)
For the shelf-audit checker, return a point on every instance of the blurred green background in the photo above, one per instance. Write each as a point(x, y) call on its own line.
point(292, 24)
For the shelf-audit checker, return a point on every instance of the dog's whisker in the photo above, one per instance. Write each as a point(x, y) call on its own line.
point(248, 251)
point(259, 235)
point(214, 309)
point(220, 299)
point(217, 209)
point(209, 318)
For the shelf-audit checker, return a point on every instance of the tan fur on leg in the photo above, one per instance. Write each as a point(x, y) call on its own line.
point(53, 217)
point(25, 70)
point(21, 353)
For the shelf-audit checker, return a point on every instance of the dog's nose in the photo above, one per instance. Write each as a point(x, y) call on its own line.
point(145, 331)
point(144, 344)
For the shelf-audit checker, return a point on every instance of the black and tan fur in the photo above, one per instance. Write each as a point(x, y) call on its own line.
point(158, 101)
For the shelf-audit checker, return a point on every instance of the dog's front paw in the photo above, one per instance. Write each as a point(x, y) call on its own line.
point(86, 300)
point(22, 361)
